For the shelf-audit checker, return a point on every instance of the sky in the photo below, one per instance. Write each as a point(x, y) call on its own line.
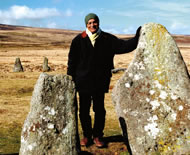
point(116, 16)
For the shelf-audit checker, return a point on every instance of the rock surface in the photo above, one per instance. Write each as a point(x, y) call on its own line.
point(50, 127)
point(153, 96)
point(45, 66)
point(18, 66)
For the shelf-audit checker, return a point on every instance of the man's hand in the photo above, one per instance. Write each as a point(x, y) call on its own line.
point(138, 32)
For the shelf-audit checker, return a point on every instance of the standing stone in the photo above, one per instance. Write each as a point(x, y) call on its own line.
point(153, 96)
point(50, 127)
point(18, 66)
point(46, 68)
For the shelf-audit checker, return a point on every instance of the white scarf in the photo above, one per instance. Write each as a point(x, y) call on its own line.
point(94, 36)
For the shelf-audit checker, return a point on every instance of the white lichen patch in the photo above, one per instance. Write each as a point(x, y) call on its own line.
point(65, 130)
point(152, 127)
point(34, 128)
point(146, 60)
point(61, 98)
point(31, 146)
point(188, 115)
point(138, 77)
point(158, 73)
point(166, 107)
point(47, 108)
point(147, 100)
point(22, 140)
point(125, 111)
point(173, 116)
point(127, 85)
point(173, 97)
point(163, 95)
point(180, 108)
point(43, 117)
point(50, 126)
point(40, 133)
point(51, 112)
point(154, 118)
point(130, 74)
point(151, 92)
point(24, 129)
point(134, 113)
point(155, 104)
point(139, 65)
point(157, 84)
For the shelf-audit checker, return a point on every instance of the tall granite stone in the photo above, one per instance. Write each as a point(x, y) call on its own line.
point(18, 66)
point(152, 98)
point(50, 127)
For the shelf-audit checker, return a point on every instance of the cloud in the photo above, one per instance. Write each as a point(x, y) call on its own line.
point(171, 6)
point(68, 13)
point(24, 12)
point(130, 30)
point(111, 30)
point(179, 28)
point(17, 13)
point(52, 25)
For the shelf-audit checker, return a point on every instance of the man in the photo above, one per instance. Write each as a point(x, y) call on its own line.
point(90, 62)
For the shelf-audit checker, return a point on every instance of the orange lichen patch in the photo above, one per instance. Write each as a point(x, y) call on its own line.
point(182, 111)
point(34, 127)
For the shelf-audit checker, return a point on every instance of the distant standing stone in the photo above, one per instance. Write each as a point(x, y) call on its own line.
point(153, 96)
point(46, 68)
point(18, 66)
point(50, 127)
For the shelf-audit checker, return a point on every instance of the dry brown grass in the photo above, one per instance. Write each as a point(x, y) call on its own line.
point(31, 45)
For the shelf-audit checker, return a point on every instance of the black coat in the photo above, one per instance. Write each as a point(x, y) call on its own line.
point(91, 66)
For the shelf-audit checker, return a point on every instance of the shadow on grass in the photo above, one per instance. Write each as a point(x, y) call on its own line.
point(110, 139)
point(85, 153)
point(113, 139)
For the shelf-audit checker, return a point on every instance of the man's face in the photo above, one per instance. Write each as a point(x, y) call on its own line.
point(92, 25)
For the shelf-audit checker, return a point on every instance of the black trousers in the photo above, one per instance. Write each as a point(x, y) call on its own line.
point(85, 101)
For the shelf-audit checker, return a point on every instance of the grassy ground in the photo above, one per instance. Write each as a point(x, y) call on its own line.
point(16, 91)
point(15, 94)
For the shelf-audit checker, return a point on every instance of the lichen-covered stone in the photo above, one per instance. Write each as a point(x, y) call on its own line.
point(18, 66)
point(50, 127)
point(153, 96)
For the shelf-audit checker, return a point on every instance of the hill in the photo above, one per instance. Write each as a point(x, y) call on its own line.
point(12, 37)
point(22, 37)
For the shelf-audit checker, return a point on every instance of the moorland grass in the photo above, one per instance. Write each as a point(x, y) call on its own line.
point(15, 95)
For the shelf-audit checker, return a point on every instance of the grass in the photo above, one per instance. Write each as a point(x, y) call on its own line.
point(10, 138)
point(15, 95)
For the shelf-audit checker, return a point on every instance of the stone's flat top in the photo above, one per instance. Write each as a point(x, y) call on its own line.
point(153, 95)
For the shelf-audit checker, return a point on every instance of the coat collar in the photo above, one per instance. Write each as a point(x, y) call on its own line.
point(84, 34)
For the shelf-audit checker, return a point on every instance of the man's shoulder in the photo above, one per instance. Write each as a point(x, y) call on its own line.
point(80, 36)
point(107, 35)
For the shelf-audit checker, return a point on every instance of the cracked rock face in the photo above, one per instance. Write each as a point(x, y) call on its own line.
point(153, 95)
point(50, 127)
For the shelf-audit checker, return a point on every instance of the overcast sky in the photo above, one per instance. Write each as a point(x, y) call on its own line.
point(116, 16)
